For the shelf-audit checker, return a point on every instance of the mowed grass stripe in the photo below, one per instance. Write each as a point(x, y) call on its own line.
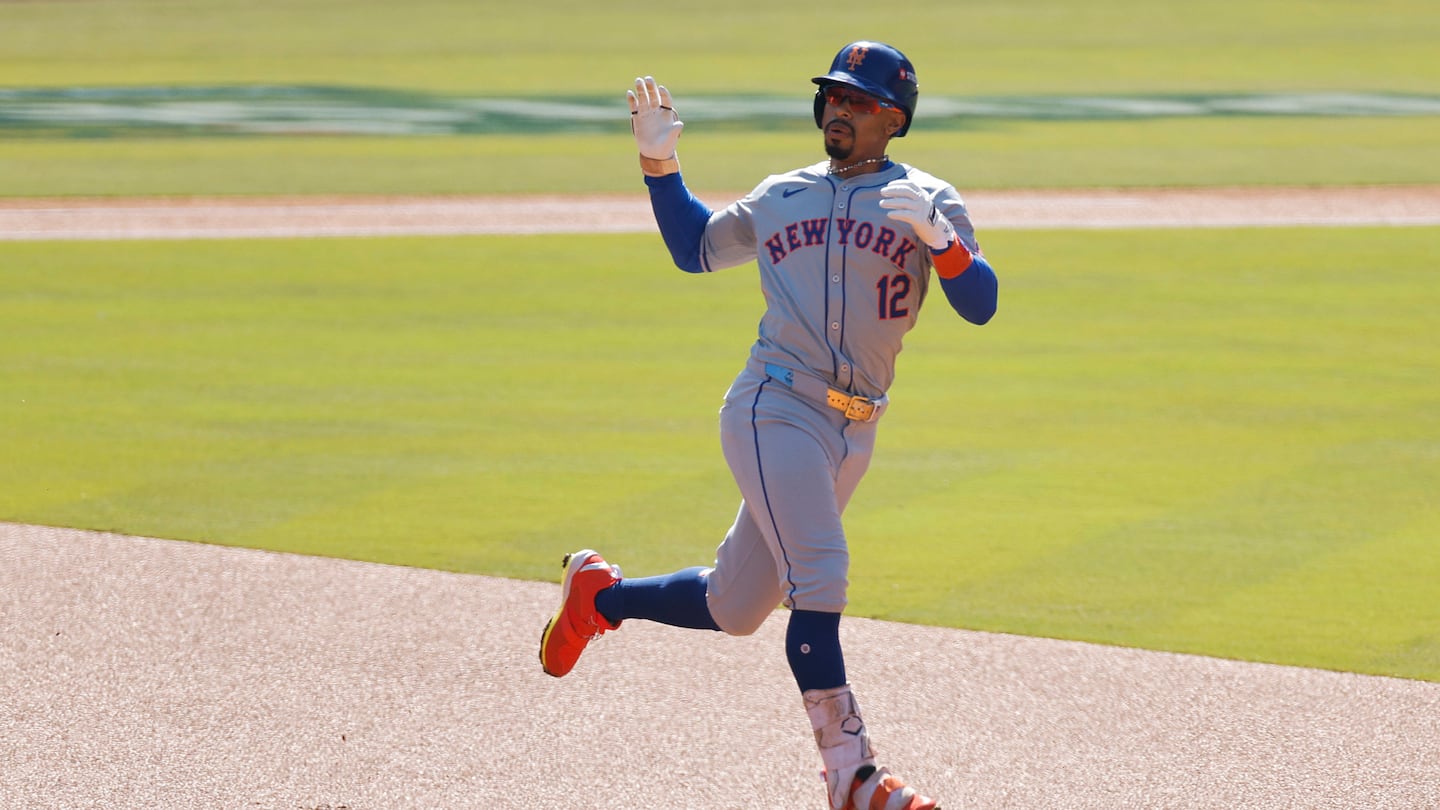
point(1040, 46)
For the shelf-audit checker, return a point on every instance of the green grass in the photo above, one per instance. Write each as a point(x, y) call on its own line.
point(487, 47)
point(1221, 442)
point(561, 49)
point(1167, 152)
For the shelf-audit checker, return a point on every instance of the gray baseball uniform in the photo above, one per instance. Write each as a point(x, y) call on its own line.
point(845, 251)
point(843, 283)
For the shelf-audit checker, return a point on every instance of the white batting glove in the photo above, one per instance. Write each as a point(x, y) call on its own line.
point(653, 119)
point(909, 203)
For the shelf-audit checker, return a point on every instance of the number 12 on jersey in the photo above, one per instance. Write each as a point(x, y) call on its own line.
point(893, 290)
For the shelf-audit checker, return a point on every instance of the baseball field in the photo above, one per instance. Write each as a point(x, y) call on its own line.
point(1222, 442)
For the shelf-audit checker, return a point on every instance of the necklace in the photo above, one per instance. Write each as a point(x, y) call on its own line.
point(853, 166)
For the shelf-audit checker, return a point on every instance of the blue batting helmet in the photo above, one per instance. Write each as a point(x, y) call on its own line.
point(874, 68)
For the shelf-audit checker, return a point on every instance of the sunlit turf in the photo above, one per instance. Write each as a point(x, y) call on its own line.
point(1220, 442)
point(487, 47)
point(540, 51)
point(997, 154)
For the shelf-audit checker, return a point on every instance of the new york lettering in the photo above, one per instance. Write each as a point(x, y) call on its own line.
point(862, 235)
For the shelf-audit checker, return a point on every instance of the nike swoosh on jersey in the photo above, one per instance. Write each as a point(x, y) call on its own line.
point(787, 193)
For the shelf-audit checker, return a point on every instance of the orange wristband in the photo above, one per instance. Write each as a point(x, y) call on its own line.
point(955, 260)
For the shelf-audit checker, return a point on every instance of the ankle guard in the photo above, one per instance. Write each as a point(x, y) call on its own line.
point(840, 734)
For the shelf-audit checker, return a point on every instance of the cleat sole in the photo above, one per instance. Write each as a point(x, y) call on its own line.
point(544, 637)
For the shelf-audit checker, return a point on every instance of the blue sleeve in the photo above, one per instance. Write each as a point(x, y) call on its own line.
point(974, 292)
point(681, 218)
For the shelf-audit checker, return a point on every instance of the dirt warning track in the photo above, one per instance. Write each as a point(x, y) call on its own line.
point(260, 217)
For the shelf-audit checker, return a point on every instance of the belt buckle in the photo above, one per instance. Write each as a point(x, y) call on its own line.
point(860, 409)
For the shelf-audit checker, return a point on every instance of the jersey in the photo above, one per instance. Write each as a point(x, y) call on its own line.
point(843, 282)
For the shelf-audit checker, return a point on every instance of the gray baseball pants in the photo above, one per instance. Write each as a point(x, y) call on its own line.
point(797, 462)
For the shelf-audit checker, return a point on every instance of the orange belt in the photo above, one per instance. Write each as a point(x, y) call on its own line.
point(855, 407)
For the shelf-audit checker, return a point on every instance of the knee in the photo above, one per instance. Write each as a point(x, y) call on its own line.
point(739, 620)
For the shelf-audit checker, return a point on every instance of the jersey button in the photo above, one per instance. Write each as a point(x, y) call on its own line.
point(835, 279)
point(835, 325)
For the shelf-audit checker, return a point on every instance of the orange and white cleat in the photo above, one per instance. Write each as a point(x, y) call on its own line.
point(878, 789)
point(577, 621)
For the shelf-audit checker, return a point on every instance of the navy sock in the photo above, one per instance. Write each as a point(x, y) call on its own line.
point(676, 599)
point(812, 646)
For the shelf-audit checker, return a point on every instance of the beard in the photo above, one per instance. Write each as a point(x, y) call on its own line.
point(836, 150)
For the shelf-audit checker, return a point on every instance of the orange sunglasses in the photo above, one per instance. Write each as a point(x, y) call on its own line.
point(859, 102)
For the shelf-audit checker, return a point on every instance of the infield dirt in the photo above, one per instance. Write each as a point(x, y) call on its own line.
point(145, 673)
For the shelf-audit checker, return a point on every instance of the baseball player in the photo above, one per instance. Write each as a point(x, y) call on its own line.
point(845, 250)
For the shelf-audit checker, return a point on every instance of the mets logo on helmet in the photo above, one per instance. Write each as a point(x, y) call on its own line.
point(857, 55)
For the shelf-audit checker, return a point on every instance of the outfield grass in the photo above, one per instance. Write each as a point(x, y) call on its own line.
point(1220, 442)
point(551, 50)
point(488, 47)
point(1212, 441)
point(1017, 154)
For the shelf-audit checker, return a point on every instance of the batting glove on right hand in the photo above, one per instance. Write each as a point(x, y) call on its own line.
point(653, 119)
